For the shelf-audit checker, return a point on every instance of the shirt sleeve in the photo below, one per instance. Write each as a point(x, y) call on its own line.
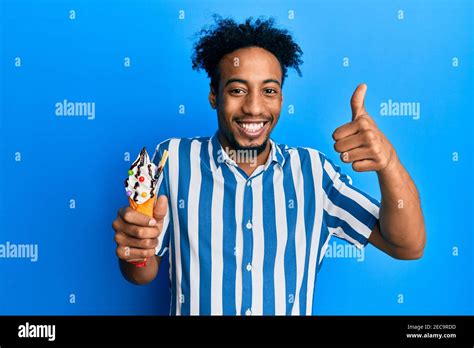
point(349, 213)
point(163, 189)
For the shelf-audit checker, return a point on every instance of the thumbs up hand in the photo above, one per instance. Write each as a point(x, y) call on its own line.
point(360, 142)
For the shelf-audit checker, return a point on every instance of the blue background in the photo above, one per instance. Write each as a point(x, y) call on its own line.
point(62, 158)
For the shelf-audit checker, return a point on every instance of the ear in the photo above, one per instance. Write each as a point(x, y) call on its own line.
point(212, 97)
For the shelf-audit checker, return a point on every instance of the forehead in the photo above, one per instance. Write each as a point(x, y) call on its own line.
point(250, 63)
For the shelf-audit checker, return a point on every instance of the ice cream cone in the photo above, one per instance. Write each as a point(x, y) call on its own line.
point(141, 186)
point(145, 208)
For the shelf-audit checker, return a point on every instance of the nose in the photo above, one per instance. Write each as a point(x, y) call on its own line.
point(253, 104)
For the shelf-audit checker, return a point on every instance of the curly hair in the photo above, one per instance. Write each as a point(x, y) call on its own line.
point(226, 36)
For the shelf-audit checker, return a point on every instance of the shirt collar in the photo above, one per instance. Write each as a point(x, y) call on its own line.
point(219, 156)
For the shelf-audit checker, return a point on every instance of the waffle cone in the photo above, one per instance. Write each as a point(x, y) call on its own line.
point(145, 208)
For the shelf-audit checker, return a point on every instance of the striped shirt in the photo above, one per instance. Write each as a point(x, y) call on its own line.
point(253, 245)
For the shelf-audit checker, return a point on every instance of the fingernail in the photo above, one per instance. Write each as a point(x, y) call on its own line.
point(152, 222)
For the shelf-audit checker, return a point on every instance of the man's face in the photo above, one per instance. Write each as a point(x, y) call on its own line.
point(249, 99)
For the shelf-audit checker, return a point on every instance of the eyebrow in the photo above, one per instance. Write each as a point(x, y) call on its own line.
point(229, 81)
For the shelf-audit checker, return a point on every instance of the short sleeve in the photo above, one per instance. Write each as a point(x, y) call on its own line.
point(163, 189)
point(349, 213)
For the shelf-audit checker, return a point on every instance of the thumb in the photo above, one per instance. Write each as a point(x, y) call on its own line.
point(161, 207)
point(357, 101)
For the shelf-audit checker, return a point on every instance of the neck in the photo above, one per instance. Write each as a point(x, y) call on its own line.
point(246, 160)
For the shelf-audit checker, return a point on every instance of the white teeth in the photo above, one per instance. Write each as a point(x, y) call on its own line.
point(252, 127)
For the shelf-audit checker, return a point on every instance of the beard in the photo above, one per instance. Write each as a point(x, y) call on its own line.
point(256, 149)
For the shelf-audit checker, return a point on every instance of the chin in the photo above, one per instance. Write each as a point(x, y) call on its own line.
point(250, 144)
point(244, 142)
point(259, 146)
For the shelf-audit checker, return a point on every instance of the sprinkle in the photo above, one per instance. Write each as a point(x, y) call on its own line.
point(130, 172)
point(141, 179)
point(144, 194)
point(129, 193)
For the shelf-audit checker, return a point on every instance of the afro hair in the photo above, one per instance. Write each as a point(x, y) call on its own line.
point(226, 36)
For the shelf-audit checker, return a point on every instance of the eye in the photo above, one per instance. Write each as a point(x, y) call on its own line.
point(237, 91)
point(270, 91)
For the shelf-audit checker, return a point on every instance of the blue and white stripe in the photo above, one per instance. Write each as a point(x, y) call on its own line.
point(242, 245)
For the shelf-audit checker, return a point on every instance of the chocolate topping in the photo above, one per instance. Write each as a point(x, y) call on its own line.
point(149, 184)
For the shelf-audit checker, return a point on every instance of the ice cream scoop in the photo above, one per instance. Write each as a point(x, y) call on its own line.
point(141, 182)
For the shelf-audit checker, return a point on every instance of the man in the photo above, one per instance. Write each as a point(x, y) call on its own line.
point(246, 220)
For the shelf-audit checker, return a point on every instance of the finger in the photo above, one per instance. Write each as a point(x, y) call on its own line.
point(357, 101)
point(357, 154)
point(364, 165)
point(135, 231)
point(161, 207)
point(349, 143)
point(146, 243)
point(141, 232)
point(345, 130)
point(134, 217)
point(137, 260)
point(127, 253)
point(363, 123)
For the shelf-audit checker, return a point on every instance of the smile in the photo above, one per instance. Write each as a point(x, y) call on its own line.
point(252, 129)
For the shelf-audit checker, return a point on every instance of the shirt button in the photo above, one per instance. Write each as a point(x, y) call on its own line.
point(248, 312)
point(249, 267)
point(249, 225)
